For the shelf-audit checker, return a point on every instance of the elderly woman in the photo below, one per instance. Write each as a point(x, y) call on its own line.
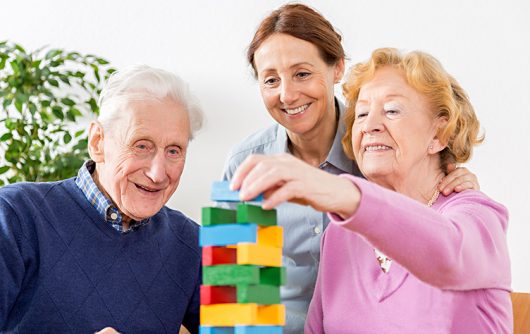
point(399, 257)
point(297, 58)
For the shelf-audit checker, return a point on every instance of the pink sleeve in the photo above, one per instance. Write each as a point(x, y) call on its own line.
point(315, 316)
point(459, 243)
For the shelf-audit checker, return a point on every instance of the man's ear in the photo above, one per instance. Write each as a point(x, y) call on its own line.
point(95, 142)
point(339, 71)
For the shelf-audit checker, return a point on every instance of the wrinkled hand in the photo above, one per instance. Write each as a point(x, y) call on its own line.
point(284, 178)
point(458, 179)
point(107, 330)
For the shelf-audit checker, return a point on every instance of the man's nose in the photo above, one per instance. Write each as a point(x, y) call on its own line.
point(157, 168)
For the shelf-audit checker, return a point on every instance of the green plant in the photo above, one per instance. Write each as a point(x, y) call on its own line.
point(43, 95)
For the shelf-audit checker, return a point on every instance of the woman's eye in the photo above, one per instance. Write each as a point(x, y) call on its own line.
point(360, 115)
point(270, 81)
point(392, 112)
point(303, 74)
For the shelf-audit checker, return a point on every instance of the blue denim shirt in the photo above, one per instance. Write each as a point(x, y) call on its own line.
point(303, 226)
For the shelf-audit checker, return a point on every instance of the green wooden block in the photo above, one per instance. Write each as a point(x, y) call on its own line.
point(247, 213)
point(230, 274)
point(259, 294)
point(215, 216)
point(234, 274)
point(272, 276)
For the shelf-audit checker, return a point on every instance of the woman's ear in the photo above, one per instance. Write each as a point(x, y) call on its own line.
point(338, 71)
point(95, 142)
point(436, 144)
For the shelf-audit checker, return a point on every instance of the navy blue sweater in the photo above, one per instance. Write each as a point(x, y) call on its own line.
point(64, 270)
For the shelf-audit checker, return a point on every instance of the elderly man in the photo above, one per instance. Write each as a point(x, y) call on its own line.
point(101, 249)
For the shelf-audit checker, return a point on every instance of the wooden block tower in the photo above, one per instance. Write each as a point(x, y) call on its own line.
point(242, 272)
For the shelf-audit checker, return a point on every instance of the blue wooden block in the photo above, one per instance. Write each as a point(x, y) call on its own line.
point(227, 234)
point(221, 193)
point(258, 330)
point(216, 330)
point(241, 330)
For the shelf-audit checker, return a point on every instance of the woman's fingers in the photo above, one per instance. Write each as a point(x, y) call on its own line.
point(457, 180)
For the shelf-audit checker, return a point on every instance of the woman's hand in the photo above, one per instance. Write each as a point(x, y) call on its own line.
point(284, 178)
point(458, 179)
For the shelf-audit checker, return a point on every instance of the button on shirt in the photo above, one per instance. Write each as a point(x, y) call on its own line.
point(100, 202)
point(302, 225)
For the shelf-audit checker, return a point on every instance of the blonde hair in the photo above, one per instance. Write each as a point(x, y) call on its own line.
point(424, 73)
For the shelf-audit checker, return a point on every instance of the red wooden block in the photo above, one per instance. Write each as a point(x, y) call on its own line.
point(212, 255)
point(218, 294)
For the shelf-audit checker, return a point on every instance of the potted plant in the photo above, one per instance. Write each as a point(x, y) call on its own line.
point(43, 95)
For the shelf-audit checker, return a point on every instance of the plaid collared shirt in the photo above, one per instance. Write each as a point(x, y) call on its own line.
point(103, 205)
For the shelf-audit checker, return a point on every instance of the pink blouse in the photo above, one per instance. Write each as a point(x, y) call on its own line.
point(450, 270)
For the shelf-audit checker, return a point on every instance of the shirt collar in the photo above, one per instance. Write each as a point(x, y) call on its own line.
point(103, 205)
point(336, 156)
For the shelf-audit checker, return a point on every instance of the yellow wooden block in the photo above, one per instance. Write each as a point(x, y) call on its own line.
point(229, 314)
point(249, 253)
point(242, 314)
point(270, 236)
point(271, 315)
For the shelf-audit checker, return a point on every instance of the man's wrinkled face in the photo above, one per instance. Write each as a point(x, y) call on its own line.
point(143, 156)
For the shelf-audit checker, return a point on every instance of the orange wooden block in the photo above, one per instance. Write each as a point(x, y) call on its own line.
point(249, 253)
point(242, 314)
point(270, 236)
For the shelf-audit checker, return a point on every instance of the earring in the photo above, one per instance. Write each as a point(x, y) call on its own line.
point(430, 147)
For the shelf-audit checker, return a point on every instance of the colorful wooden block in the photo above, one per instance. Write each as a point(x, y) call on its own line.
point(242, 293)
point(251, 253)
point(227, 234)
point(272, 276)
point(270, 236)
point(242, 314)
point(211, 294)
point(232, 274)
point(259, 329)
point(216, 216)
point(247, 213)
point(259, 294)
point(212, 255)
point(221, 193)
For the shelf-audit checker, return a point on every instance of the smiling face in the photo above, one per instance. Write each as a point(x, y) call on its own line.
point(140, 158)
point(296, 84)
point(394, 132)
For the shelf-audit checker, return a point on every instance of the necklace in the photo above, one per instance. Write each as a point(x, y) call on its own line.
point(385, 261)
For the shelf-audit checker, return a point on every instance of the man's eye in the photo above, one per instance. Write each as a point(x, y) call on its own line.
point(174, 152)
point(141, 147)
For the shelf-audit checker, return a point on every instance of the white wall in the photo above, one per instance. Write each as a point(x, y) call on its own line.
point(484, 44)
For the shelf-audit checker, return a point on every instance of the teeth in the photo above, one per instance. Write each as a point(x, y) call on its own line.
point(297, 110)
point(377, 148)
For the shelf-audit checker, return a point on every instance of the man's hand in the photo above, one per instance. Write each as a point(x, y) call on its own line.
point(107, 330)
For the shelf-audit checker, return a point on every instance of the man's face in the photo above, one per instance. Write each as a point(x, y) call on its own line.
point(143, 156)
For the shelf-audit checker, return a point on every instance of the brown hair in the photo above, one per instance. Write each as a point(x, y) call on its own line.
point(423, 72)
point(302, 22)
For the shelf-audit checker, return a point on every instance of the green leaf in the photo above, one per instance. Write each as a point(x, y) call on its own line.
point(15, 67)
point(6, 136)
point(68, 102)
point(4, 169)
point(58, 112)
point(102, 61)
point(52, 53)
point(53, 82)
point(3, 63)
point(10, 124)
point(79, 133)
point(67, 138)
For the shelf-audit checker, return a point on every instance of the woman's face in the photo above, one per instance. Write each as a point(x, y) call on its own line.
point(394, 132)
point(295, 83)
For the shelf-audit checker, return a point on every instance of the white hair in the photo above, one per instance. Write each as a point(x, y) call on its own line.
point(140, 82)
